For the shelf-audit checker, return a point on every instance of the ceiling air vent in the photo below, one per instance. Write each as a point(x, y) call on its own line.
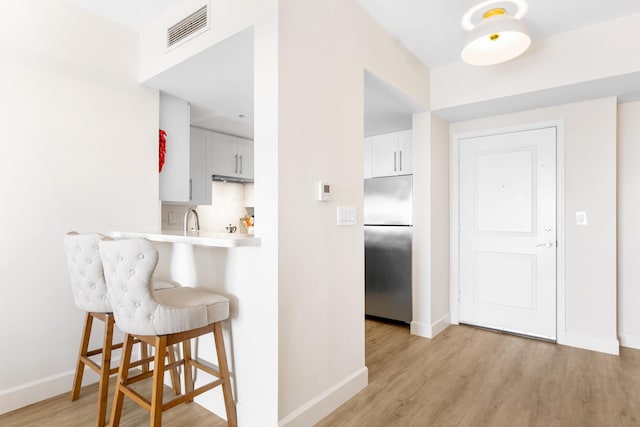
point(189, 26)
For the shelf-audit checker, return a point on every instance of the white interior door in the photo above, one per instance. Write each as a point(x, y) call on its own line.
point(508, 232)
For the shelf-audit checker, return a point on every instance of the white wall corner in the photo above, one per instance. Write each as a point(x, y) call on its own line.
point(421, 329)
point(427, 330)
point(629, 340)
point(321, 406)
point(602, 345)
point(440, 324)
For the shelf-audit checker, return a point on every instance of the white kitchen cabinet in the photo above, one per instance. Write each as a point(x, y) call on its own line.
point(390, 154)
point(232, 156)
point(175, 175)
point(199, 168)
point(368, 159)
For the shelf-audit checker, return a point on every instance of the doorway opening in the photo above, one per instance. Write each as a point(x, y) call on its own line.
point(388, 204)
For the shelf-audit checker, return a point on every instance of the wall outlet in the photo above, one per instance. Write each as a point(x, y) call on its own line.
point(172, 218)
point(581, 218)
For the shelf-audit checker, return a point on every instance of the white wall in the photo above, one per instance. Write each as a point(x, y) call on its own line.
point(628, 226)
point(590, 185)
point(430, 225)
point(227, 18)
point(439, 206)
point(80, 152)
point(324, 48)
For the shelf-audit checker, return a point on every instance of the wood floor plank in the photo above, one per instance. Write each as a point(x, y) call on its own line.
point(60, 411)
point(472, 377)
point(465, 377)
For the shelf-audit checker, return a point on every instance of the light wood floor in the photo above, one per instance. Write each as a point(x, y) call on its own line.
point(471, 377)
point(60, 411)
point(463, 377)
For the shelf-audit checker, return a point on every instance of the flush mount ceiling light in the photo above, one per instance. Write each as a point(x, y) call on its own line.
point(499, 37)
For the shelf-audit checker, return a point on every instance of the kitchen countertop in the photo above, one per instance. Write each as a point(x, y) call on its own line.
point(200, 238)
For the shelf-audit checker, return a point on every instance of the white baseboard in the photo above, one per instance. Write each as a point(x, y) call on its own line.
point(629, 340)
point(36, 391)
point(611, 346)
point(316, 409)
point(420, 329)
point(440, 324)
point(430, 331)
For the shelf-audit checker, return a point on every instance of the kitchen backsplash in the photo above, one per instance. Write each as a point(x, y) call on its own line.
point(229, 205)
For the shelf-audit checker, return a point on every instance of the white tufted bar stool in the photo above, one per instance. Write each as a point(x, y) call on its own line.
point(161, 319)
point(90, 295)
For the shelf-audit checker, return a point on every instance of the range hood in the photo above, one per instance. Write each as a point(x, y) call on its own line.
point(237, 179)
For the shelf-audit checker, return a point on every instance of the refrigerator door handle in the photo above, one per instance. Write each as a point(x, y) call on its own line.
point(394, 161)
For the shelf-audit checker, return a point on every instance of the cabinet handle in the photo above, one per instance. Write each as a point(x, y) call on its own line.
point(395, 154)
point(400, 160)
point(190, 189)
point(236, 169)
point(241, 164)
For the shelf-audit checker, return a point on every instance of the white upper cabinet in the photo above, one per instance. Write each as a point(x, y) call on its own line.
point(388, 154)
point(194, 155)
point(174, 177)
point(367, 157)
point(199, 168)
point(232, 156)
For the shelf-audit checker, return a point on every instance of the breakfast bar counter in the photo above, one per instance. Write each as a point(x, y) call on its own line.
point(199, 238)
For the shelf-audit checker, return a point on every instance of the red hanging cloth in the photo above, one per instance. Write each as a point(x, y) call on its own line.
point(163, 148)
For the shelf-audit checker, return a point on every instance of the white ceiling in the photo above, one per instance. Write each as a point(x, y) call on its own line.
point(431, 28)
point(135, 14)
point(386, 109)
point(219, 82)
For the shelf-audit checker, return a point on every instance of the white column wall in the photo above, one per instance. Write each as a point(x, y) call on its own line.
point(80, 152)
point(430, 225)
point(324, 48)
point(590, 185)
point(439, 206)
point(628, 225)
point(421, 268)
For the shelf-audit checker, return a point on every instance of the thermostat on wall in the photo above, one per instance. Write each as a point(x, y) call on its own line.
point(324, 191)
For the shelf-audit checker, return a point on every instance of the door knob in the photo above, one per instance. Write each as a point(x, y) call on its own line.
point(546, 245)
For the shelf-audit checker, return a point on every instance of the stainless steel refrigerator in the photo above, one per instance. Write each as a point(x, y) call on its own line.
point(388, 233)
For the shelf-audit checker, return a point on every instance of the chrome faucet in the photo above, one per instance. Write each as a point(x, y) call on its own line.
point(196, 219)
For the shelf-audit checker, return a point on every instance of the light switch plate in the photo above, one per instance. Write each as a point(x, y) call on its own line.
point(581, 218)
point(346, 215)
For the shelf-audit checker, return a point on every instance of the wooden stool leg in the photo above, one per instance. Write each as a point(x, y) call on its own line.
point(175, 376)
point(144, 353)
point(230, 406)
point(84, 348)
point(123, 375)
point(105, 369)
point(158, 381)
point(188, 370)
